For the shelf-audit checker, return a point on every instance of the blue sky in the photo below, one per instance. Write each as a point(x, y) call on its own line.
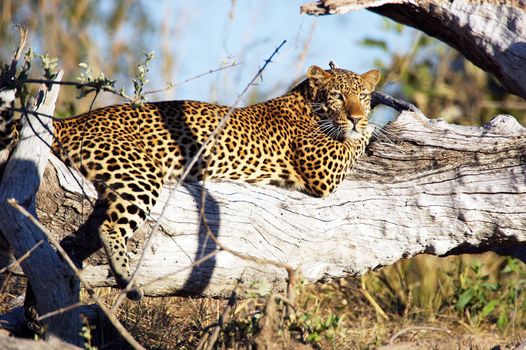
point(202, 36)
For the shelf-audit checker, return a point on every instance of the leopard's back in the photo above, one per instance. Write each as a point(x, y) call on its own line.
point(253, 146)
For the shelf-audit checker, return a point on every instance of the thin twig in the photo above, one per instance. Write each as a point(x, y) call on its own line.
point(115, 322)
point(286, 301)
point(23, 32)
point(24, 110)
point(289, 305)
point(22, 257)
point(59, 311)
point(95, 85)
point(61, 82)
point(371, 300)
point(200, 75)
point(119, 93)
point(210, 140)
point(210, 338)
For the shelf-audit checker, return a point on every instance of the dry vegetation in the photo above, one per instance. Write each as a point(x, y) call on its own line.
point(417, 302)
point(468, 302)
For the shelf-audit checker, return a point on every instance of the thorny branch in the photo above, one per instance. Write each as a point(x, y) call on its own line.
point(98, 87)
point(200, 75)
point(211, 140)
point(108, 87)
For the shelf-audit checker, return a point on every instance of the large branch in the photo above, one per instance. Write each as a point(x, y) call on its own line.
point(437, 189)
point(491, 34)
point(20, 181)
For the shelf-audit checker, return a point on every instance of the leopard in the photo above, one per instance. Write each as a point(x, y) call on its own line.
point(306, 140)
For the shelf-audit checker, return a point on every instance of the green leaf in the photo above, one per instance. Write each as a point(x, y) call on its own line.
point(464, 299)
point(313, 337)
point(488, 308)
point(511, 266)
point(490, 286)
point(502, 321)
point(374, 43)
point(476, 265)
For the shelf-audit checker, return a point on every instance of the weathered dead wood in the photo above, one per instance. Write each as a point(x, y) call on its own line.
point(491, 34)
point(21, 179)
point(101, 331)
point(439, 189)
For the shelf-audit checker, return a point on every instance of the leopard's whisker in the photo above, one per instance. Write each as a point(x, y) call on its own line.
point(380, 135)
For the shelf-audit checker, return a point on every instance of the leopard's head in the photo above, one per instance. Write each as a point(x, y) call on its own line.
point(341, 100)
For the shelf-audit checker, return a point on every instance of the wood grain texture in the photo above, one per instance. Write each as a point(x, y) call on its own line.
point(21, 179)
point(491, 34)
point(437, 189)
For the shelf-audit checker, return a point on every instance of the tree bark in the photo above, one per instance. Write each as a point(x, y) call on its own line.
point(491, 34)
point(48, 275)
point(437, 189)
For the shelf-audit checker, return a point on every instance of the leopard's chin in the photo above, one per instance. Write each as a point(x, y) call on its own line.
point(353, 135)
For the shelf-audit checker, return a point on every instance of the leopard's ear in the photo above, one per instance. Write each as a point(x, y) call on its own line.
point(317, 74)
point(371, 78)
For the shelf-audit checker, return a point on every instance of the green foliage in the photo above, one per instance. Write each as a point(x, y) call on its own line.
point(21, 89)
point(241, 328)
point(475, 294)
point(481, 291)
point(88, 339)
point(140, 78)
point(77, 31)
point(316, 328)
point(88, 84)
point(479, 299)
point(259, 289)
point(49, 66)
point(382, 44)
point(389, 25)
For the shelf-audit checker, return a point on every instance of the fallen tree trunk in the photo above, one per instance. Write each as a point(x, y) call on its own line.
point(491, 34)
point(48, 275)
point(437, 189)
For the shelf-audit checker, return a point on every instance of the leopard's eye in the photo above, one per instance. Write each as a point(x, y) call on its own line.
point(337, 95)
point(362, 95)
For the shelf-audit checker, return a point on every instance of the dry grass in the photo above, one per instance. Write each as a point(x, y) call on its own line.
point(418, 296)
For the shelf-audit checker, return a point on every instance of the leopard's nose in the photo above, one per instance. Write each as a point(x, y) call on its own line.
point(355, 120)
